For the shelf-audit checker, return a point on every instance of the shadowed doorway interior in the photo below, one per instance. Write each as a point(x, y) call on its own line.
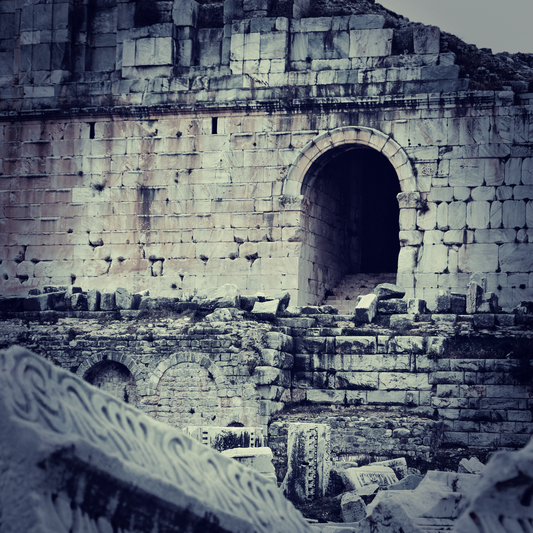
point(353, 221)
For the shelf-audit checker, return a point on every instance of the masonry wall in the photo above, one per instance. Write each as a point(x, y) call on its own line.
point(113, 177)
point(244, 371)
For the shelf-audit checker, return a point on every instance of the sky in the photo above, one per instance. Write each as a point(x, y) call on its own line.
point(503, 25)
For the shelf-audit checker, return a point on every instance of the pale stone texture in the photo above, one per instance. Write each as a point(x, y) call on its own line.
point(309, 462)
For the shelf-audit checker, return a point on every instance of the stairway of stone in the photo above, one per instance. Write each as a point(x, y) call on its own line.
point(354, 285)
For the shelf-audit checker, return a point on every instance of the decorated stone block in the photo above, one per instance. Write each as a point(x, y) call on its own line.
point(63, 441)
point(309, 463)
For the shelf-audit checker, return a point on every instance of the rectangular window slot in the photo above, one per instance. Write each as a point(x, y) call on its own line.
point(91, 130)
point(214, 125)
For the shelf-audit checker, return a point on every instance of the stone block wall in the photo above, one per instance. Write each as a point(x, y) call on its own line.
point(173, 157)
point(203, 374)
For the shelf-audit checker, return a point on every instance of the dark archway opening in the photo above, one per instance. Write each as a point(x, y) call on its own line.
point(113, 378)
point(353, 222)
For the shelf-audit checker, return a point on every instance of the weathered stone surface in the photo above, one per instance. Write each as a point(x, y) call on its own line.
point(387, 291)
point(78, 302)
point(93, 300)
point(471, 466)
point(309, 462)
point(501, 495)
point(353, 507)
point(226, 296)
point(107, 301)
point(366, 308)
point(259, 459)
point(175, 472)
point(355, 478)
point(473, 297)
point(409, 482)
point(123, 298)
point(267, 310)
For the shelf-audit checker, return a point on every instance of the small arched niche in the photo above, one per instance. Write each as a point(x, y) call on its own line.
point(115, 379)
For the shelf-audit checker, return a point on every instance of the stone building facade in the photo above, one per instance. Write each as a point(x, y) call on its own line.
point(274, 153)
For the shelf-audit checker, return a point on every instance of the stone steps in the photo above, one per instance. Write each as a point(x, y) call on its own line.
point(354, 285)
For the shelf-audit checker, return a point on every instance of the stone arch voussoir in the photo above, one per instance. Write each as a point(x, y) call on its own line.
point(347, 135)
point(95, 359)
point(186, 357)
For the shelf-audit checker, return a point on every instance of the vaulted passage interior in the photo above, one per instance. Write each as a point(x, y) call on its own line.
point(113, 378)
point(352, 217)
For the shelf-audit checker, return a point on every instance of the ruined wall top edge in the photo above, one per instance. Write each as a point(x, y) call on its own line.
point(63, 56)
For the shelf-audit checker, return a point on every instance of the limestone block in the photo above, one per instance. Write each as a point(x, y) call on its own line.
point(226, 296)
point(403, 381)
point(474, 295)
point(426, 39)
point(515, 257)
point(370, 43)
point(357, 380)
point(514, 214)
point(123, 299)
point(442, 216)
point(427, 220)
point(478, 258)
point(353, 508)
point(527, 171)
point(432, 258)
point(407, 259)
point(268, 375)
point(458, 304)
point(366, 22)
point(409, 482)
point(107, 301)
point(266, 310)
point(408, 219)
point(258, 459)
point(402, 322)
point(366, 308)
point(309, 462)
point(185, 12)
point(93, 300)
point(513, 171)
point(478, 215)
point(467, 172)
point(274, 45)
point(408, 200)
point(78, 302)
point(495, 215)
point(128, 53)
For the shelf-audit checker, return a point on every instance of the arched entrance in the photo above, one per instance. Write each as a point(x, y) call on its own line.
point(348, 180)
point(113, 378)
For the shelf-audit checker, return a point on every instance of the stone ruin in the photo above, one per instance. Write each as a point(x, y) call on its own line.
point(88, 462)
point(159, 159)
point(75, 459)
point(170, 150)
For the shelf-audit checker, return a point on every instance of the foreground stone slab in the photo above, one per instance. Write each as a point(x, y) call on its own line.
point(501, 501)
point(76, 459)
